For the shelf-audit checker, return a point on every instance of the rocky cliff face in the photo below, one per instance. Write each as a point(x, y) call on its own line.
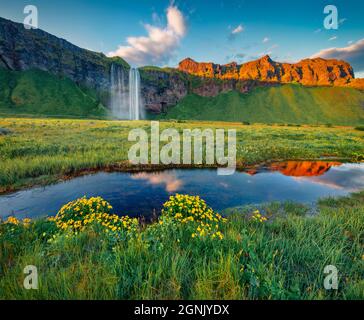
point(308, 72)
point(357, 84)
point(211, 88)
point(165, 87)
point(22, 49)
point(162, 88)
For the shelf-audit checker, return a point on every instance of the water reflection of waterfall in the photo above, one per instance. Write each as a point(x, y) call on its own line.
point(125, 101)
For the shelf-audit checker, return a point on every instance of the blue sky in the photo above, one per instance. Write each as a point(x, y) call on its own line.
point(202, 29)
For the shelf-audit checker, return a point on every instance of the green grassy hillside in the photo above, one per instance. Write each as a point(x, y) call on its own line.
point(36, 92)
point(281, 104)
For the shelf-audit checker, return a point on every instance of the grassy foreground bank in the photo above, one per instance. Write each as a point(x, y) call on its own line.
point(38, 151)
point(279, 253)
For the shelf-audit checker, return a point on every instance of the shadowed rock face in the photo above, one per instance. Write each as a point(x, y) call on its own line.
point(303, 168)
point(162, 89)
point(309, 72)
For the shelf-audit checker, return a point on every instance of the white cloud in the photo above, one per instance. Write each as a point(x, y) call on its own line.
point(159, 45)
point(176, 21)
point(354, 54)
point(333, 38)
point(172, 184)
point(265, 40)
point(238, 29)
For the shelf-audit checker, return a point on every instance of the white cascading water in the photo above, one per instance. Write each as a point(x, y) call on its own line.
point(126, 102)
point(134, 94)
point(118, 94)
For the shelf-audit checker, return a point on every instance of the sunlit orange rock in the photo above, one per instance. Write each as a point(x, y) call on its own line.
point(202, 69)
point(357, 84)
point(303, 168)
point(308, 72)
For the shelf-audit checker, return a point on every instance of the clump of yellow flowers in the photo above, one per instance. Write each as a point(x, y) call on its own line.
point(78, 214)
point(12, 220)
point(193, 212)
point(15, 221)
point(256, 216)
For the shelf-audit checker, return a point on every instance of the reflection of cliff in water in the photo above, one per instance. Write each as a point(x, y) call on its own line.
point(303, 168)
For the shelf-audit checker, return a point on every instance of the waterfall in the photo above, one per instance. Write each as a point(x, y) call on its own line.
point(118, 94)
point(125, 103)
point(134, 94)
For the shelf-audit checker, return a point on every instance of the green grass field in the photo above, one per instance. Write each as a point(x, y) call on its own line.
point(281, 104)
point(38, 151)
point(281, 258)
